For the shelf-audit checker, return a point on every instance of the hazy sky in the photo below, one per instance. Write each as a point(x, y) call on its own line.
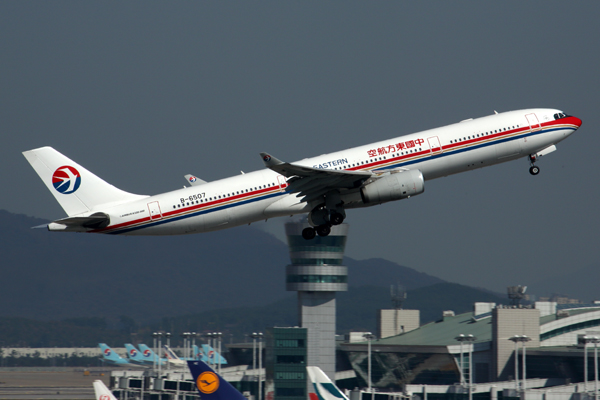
point(142, 93)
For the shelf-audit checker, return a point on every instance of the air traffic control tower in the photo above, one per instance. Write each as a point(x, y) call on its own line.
point(316, 273)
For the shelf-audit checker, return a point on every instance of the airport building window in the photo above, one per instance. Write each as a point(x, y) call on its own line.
point(290, 375)
point(290, 359)
point(290, 343)
point(316, 261)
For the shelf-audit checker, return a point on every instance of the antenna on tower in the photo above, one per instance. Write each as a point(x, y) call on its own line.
point(398, 294)
point(516, 294)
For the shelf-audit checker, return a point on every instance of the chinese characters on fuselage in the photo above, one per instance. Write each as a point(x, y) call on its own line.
point(392, 148)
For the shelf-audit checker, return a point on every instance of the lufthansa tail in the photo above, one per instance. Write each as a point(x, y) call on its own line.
point(324, 388)
point(78, 191)
point(210, 385)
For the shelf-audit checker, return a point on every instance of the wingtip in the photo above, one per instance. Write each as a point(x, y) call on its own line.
point(269, 160)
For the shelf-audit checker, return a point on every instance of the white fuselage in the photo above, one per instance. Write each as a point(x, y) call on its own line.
point(259, 195)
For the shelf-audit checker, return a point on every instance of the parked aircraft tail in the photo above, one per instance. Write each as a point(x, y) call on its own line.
point(102, 392)
point(77, 190)
point(210, 385)
point(324, 388)
point(199, 354)
point(213, 356)
point(111, 356)
point(135, 355)
point(148, 355)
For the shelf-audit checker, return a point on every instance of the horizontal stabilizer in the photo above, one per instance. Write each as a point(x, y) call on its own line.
point(80, 224)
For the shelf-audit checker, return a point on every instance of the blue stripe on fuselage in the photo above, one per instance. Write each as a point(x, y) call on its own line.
point(472, 147)
point(195, 214)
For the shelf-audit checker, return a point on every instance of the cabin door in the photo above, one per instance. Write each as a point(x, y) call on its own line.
point(154, 210)
point(434, 145)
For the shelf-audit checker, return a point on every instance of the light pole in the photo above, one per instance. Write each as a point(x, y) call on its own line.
point(522, 339)
point(461, 338)
point(596, 340)
point(168, 336)
point(585, 362)
point(154, 336)
point(470, 338)
point(157, 344)
point(217, 336)
point(185, 336)
point(209, 337)
point(258, 336)
point(192, 355)
point(253, 336)
point(369, 336)
point(159, 347)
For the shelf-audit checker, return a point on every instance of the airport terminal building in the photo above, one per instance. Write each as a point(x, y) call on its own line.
point(551, 334)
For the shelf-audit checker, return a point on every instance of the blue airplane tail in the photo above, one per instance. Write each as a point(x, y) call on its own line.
point(199, 354)
point(110, 355)
point(212, 355)
point(134, 354)
point(210, 385)
point(148, 355)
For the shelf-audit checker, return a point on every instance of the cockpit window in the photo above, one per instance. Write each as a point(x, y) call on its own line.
point(560, 115)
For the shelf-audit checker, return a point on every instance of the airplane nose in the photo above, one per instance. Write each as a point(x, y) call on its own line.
point(577, 122)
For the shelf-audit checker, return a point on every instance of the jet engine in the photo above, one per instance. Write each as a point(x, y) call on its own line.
point(395, 186)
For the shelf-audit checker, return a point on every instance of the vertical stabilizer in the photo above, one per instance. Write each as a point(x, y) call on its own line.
point(325, 389)
point(77, 190)
point(213, 356)
point(211, 385)
point(102, 392)
point(111, 356)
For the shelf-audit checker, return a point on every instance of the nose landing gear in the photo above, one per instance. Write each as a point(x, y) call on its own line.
point(533, 170)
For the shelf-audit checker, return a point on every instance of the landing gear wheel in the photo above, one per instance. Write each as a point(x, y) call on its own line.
point(309, 233)
point(534, 170)
point(336, 218)
point(323, 230)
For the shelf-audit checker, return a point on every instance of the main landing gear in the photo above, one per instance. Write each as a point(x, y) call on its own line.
point(533, 170)
point(335, 218)
point(321, 230)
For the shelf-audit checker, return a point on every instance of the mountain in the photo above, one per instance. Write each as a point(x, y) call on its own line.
point(356, 310)
point(50, 275)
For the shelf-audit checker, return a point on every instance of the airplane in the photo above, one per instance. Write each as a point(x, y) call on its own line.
point(323, 187)
point(150, 356)
point(324, 388)
point(102, 392)
point(212, 355)
point(211, 385)
point(111, 356)
point(173, 358)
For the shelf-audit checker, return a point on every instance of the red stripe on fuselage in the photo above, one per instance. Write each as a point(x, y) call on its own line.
point(191, 208)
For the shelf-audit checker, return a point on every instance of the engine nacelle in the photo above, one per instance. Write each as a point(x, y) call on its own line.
point(395, 186)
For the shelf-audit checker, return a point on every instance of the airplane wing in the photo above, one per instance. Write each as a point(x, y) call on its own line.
point(314, 183)
point(193, 180)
